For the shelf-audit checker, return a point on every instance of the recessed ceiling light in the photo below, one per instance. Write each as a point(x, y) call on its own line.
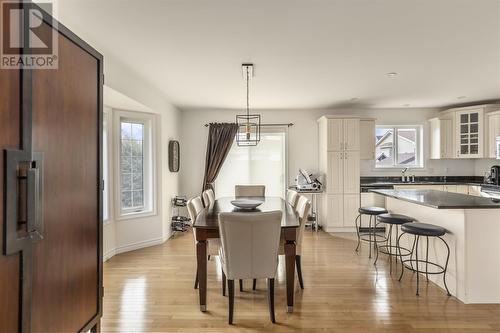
point(461, 97)
point(392, 74)
point(354, 99)
point(406, 105)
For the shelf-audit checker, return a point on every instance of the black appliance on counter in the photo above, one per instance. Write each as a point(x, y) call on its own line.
point(495, 174)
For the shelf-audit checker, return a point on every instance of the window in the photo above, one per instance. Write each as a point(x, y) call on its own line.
point(264, 164)
point(398, 147)
point(135, 163)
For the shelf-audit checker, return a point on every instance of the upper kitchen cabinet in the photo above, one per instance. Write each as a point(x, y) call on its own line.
point(493, 121)
point(441, 138)
point(343, 134)
point(367, 139)
point(469, 139)
point(465, 132)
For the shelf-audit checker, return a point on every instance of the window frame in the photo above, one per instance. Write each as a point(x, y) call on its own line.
point(106, 164)
point(149, 164)
point(419, 145)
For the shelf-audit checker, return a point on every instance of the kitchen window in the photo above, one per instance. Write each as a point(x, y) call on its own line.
point(398, 147)
point(135, 164)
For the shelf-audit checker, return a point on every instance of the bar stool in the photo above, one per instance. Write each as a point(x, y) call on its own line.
point(389, 249)
point(372, 235)
point(425, 230)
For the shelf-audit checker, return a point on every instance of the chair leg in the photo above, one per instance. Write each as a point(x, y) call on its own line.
point(223, 283)
point(270, 298)
point(230, 285)
point(416, 264)
point(254, 284)
point(299, 271)
point(196, 280)
point(241, 285)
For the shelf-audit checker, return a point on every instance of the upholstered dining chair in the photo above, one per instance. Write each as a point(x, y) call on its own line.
point(208, 197)
point(194, 207)
point(292, 197)
point(249, 191)
point(249, 250)
point(302, 209)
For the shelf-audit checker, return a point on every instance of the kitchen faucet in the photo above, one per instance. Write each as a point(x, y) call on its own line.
point(403, 172)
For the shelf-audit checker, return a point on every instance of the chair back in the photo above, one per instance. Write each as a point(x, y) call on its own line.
point(194, 207)
point(250, 244)
point(249, 191)
point(292, 197)
point(208, 197)
point(303, 207)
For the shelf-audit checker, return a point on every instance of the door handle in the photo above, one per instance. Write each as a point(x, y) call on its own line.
point(23, 197)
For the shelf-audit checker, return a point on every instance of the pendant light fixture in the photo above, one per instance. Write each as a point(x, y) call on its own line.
point(248, 124)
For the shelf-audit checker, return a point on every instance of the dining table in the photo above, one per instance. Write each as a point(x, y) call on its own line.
point(206, 226)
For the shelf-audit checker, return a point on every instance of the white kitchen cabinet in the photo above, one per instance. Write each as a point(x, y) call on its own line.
point(339, 161)
point(351, 134)
point(335, 134)
point(470, 133)
point(464, 189)
point(335, 175)
point(493, 121)
point(335, 209)
point(351, 206)
point(367, 139)
point(351, 172)
point(475, 190)
point(419, 187)
point(450, 188)
point(441, 138)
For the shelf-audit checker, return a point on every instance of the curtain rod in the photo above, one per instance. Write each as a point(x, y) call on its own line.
point(287, 125)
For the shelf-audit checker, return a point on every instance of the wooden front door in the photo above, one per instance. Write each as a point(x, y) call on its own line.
point(50, 202)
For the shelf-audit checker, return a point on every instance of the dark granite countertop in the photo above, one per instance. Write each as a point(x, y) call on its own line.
point(370, 182)
point(439, 199)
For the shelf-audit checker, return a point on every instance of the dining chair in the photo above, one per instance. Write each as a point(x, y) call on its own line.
point(292, 197)
point(249, 250)
point(249, 191)
point(194, 207)
point(208, 197)
point(303, 207)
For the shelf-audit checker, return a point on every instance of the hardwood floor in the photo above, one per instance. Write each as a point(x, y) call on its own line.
point(151, 290)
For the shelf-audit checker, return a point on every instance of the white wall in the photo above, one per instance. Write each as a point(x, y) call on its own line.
point(303, 141)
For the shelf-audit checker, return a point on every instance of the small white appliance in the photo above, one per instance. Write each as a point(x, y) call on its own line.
point(303, 182)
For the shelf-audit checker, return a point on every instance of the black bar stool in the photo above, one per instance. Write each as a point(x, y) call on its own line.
point(372, 235)
point(425, 230)
point(389, 249)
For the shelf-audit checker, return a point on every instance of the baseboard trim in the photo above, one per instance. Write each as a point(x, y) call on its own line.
point(139, 245)
point(108, 255)
point(340, 229)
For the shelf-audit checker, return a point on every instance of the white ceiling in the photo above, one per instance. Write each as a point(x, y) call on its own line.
point(307, 54)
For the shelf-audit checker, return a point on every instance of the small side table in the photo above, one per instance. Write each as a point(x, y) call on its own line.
point(314, 218)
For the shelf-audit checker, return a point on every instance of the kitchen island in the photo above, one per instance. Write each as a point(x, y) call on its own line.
point(473, 225)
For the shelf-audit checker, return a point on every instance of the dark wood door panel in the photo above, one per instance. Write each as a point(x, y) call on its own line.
point(9, 139)
point(65, 130)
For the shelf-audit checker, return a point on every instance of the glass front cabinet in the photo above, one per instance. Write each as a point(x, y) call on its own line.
point(469, 133)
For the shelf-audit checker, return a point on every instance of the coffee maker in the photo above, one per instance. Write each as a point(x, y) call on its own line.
point(495, 174)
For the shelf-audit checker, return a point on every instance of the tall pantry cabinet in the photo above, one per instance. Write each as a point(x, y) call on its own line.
point(51, 190)
point(339, 161)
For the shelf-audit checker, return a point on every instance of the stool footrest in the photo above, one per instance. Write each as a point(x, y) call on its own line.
point(424, 262)
point(386, 248)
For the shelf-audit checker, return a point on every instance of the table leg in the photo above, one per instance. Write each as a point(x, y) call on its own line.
point(201, 256)
point(290, 252)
